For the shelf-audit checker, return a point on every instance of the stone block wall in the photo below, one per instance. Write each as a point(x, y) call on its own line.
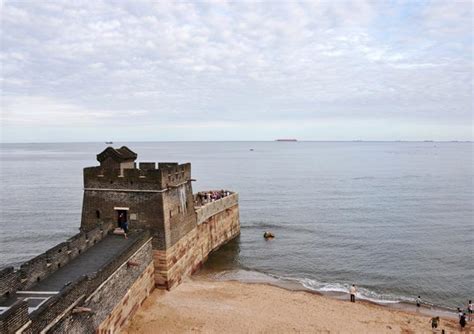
point(45, 264)
point(116, 299)
point(174, 174)
point(47, 313)
point(208, 210)
point(145, 211)
point(146, 178)
point(134, 178)
point(179, 214)
point(10, 281)
point(130, 303)
point(188, 254)
point(58, 309)
point(14, 318)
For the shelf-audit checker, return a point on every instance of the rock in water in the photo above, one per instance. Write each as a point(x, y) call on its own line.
point(268, 235)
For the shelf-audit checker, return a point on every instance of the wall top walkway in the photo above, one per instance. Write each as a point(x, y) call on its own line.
point(87, 263)
point(210, 209)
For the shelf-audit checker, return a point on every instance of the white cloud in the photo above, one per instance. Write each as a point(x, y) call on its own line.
point(222, 62)
point(39, 110)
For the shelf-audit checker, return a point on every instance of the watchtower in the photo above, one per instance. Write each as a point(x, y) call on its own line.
point(156, 198)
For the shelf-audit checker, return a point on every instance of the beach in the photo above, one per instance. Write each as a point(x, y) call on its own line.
point(204, 306)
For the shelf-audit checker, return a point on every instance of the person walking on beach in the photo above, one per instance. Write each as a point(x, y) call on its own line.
point(418, 301)
point(460, 313)
point(462, 320)
point(434, 322)
point(470, 309)
point(353, 292)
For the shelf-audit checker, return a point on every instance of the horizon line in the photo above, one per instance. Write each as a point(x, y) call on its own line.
point(244, 141)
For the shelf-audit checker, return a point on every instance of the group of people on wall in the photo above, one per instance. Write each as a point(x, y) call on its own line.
point(204, 197)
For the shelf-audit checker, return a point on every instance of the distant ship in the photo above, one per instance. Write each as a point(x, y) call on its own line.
point(286, 139)
point(109, 142)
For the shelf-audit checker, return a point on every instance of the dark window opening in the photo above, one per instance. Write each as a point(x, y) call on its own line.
point(79, 251)
point(59, 265)
point(37, 279)
point(97, 214)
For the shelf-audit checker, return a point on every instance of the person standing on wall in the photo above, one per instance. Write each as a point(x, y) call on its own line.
point(121, 219)
point(353, 292)
point(123, 224)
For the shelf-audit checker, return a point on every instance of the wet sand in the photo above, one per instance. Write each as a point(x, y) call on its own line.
point(203, 306)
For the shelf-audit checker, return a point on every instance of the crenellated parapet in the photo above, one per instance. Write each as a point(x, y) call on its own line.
point(43, 265)
point(145, 177)
point(95, 280)
point(91, 290)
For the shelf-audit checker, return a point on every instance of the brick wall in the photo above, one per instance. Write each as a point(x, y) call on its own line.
point(116, 299)
point(180, 217)
point(188, 254)
point(145, 208)
point(130, 303)
point(210, 209)
point(14, 318)
point(10, 281)
point(46, 316)
point(45, 264)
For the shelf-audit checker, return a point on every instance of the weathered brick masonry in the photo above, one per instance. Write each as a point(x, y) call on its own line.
point(170, 237)
point(116, 299)
point(189, 253)
point(161, 201)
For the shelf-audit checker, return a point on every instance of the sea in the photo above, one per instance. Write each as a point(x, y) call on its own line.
point(394, 218)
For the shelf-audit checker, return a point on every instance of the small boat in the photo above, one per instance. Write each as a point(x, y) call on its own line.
point(286, 139)
point(109, 142)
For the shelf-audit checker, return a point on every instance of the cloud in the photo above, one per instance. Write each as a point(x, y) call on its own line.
point(38, 111)
point(213, 63)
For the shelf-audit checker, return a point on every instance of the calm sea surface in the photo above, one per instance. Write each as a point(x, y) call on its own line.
point(397, 219)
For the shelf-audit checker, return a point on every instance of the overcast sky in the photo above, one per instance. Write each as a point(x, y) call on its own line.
point(336, 70)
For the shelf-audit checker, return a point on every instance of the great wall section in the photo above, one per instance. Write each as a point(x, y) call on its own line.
point(97, 279)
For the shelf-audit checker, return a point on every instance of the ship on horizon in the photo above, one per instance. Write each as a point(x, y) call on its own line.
point(286, 139)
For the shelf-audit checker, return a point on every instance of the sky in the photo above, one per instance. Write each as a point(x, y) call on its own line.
point(165, 71)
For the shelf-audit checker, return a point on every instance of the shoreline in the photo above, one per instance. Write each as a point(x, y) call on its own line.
point(255, 277)
point(210, 306)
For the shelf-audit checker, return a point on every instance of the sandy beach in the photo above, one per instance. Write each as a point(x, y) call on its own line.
point(203, 306)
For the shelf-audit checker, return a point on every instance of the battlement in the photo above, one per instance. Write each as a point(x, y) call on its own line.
point(75, 284)
point(145, 177)
point(42, 266)
point(95, 280)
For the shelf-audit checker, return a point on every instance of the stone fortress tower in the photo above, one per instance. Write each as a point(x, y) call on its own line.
point(158, 198)
point(96, 280)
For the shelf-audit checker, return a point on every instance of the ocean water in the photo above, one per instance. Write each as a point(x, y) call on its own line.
point(395, 218)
